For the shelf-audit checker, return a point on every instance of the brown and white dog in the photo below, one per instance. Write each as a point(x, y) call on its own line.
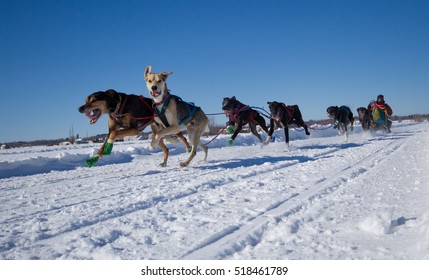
point(128, 115)
point(174, 114)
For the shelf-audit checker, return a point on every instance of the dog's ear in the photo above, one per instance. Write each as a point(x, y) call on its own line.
point(164, 75)
point(111, 92)
point(112, 99)
point(233, 98)
point(147, 71)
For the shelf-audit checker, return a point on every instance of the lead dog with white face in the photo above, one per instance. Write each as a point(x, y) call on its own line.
point(175, 114)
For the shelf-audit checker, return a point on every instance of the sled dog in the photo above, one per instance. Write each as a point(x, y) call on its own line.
point(128, 115)
point(342, 117)
point(174, 114)
point(282, 115)
point(240, 115)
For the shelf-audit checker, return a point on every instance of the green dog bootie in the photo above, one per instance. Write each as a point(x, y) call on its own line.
point(230, 142)
point(108, 148)
point(229, 129)
point(91, 161)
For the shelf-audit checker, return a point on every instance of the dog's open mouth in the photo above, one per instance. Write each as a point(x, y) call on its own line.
point(155, 93)
point(93, 115)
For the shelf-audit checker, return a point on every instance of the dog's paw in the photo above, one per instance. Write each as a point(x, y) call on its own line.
point(230, 142)
point(229, 129)
point(151, 147)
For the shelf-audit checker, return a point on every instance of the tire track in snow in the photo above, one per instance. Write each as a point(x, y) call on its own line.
point(236, 237)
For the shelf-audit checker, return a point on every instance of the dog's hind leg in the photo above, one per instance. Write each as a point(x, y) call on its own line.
point(261, 121)
point(195, 141)
point(185, 142)
point(205, 150)
point(254, 131)
point(300, 121)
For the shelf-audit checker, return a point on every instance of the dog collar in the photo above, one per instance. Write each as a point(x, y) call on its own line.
point(164, 99)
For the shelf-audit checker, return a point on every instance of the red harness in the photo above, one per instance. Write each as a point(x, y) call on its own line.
point(289, 109)
point(233, 114)
point(117, 115)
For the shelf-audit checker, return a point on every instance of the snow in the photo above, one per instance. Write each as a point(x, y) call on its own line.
point(320, 199)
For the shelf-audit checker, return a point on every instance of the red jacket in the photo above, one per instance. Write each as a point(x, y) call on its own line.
point(384, 106)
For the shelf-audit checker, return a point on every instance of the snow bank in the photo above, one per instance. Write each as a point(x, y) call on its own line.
point(378, 223)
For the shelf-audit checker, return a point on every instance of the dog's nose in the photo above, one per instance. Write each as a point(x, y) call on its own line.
point(154, 88)
point(81, 108)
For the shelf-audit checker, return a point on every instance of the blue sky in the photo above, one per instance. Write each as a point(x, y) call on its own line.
point(311, 53)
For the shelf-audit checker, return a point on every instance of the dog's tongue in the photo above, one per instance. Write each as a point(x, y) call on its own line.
point(155, 93)
point(92, 117)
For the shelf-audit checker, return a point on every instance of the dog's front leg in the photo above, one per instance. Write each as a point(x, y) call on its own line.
point(270, 132)
point(239, 128)
point(100, 151)
point(160, 134)
point(346, 134)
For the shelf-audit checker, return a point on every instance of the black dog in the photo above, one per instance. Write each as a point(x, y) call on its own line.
point(240, 115)
point(365, 118)
point(342, 116)
point(282, 115)
point(128, 115)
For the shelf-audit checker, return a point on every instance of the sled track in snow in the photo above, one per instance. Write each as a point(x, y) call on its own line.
point(226, 205)
point(236, 237)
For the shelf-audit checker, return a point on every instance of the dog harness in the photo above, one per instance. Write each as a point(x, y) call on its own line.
point(118, 115)
point(340, 116)
point(165, 101)
point(233, 114)
point(289, 109)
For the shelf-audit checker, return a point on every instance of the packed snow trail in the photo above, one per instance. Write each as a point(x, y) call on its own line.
point(322, 199)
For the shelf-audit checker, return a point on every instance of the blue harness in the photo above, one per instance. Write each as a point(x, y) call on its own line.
point(161, 113)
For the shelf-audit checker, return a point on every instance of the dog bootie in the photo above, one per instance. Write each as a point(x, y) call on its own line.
point(229, 129)
point(91, 161)
point(230, 142)
point(108, 148)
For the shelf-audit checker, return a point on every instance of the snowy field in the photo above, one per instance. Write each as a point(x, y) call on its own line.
point(321, 199)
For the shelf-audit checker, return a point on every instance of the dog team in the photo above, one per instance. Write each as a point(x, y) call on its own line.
point(168, 115)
